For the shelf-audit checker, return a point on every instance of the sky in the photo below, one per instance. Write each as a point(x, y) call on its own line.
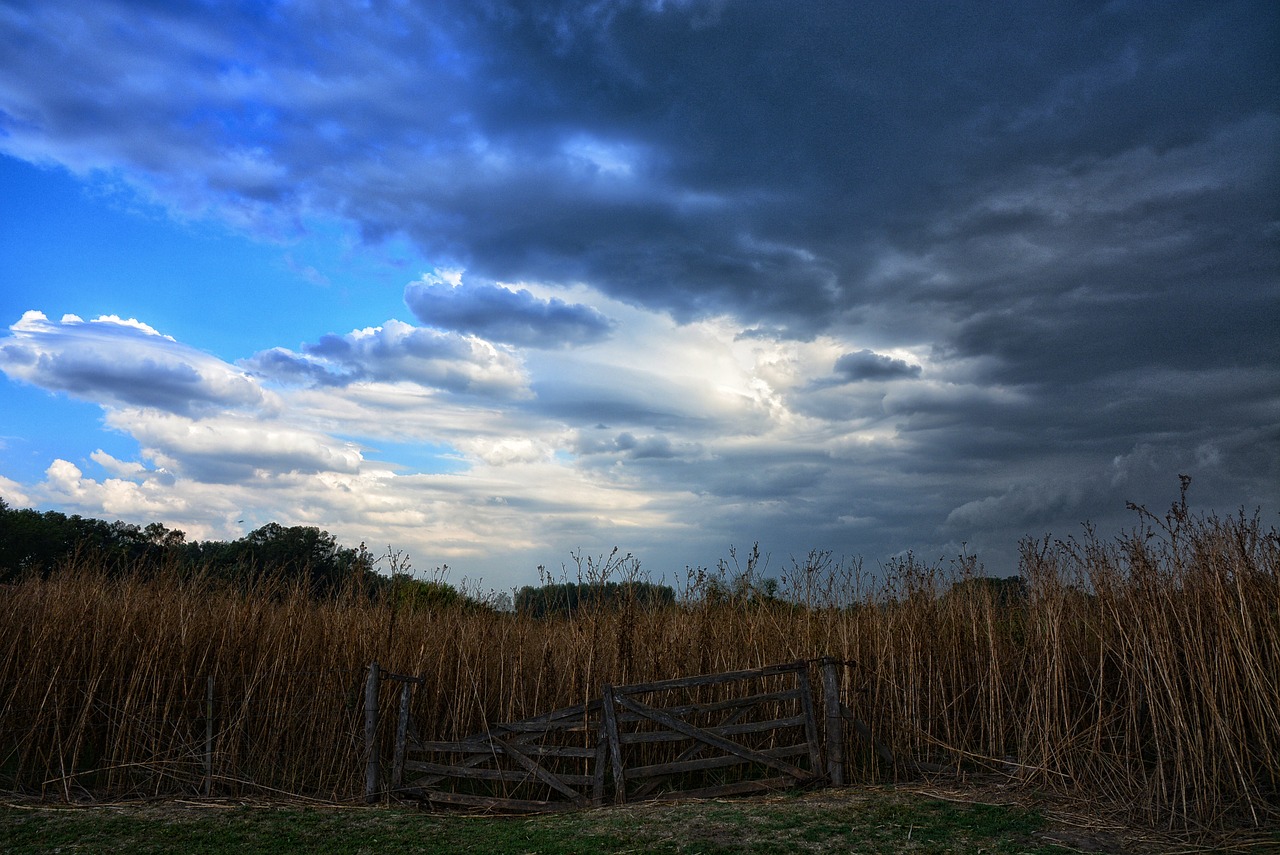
point(493, 283)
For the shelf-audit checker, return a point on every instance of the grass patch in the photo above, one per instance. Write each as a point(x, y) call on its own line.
point(864, 821)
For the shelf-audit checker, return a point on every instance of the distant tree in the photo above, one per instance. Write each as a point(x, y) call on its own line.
point(304, 553)
point(565, 598)
point(31, 541)
point(741, 589)
point(35, 541)
point(415, 595)
point(1004, 591)
point(169, 538)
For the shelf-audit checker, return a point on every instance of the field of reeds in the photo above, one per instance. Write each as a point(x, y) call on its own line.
point(1139, 672)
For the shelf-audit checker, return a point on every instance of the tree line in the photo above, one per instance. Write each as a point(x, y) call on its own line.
point(39, 542)
point(564, 598)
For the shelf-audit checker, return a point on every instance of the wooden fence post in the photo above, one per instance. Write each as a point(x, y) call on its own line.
point(609, 717)
point(402, 736)
point(810, 719)
point(835, 725)
point(371, 769)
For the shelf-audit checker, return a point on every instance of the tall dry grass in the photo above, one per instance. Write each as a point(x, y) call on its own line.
point(1140, 672)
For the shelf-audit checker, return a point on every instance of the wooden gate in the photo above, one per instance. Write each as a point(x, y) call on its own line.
point(551, 761)
point(711, 735)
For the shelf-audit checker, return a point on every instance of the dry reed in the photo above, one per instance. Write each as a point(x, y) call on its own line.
point(1141, 671)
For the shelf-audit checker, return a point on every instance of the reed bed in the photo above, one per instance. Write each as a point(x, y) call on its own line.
point(1139, 672)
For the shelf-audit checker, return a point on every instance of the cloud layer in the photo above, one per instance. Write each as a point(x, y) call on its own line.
point(867, 277)
point(396, 351)
point(513, 316)
point(122, 361)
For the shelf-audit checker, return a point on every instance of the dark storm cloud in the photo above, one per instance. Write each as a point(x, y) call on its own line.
point(628, 445)
point(1072, 209)
point(696, 158)
point(869, 365)
point(649, 447)
point(1156, 258)
point(500, 314)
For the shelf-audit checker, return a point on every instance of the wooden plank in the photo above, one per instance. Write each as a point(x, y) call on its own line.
point(834, 724)
point(402, 735)
point(403, 678)
point(475, 773)
point(485, 754)
point(473, 762)
point(471, 747)
point(810, 721)
point(478, 773)
point(520, 740)
point(721, 730)
point(712, 739)
point(644, 737)
point(590, 706)
point(372, 771)
point(548, 777)
point(562, 713)
point(709, 679)
point(615, 747)
point(495, 803)
point(721, 761)
point(739, 788)
point(563, 725)
point(688, 754)
point(554, 715)
point(532, 749)
point(685, 710)
point(597, 772)
point(536, 750)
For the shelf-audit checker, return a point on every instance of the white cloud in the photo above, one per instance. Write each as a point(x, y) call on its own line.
point(504, 451)
point(118, 468)
point(14, 494)
point(234, 447)
point(699, 437)
point(116, 498)
point(122, 361)
point(396, 351)
point(527, 475)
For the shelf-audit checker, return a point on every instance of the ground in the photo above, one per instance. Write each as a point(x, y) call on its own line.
point(888, 820)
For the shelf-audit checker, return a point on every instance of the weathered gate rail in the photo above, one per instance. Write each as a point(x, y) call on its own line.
point(558, 755)
point(713, 734)
point(703, 736)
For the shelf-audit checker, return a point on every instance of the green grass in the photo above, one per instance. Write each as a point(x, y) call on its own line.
point(863, 821)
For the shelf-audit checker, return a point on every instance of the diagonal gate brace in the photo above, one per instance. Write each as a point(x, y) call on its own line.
point(728, 745)
point(548, 778)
